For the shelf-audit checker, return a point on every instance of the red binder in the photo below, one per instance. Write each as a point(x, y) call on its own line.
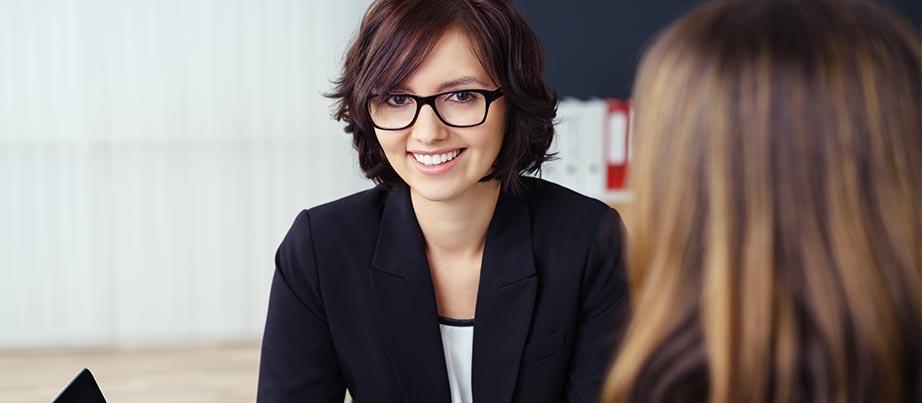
point(617, 143)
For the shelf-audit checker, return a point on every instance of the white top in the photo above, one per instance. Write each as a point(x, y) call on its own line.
point(458, 344)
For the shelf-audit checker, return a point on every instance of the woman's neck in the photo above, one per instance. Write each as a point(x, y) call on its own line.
point(457, 227)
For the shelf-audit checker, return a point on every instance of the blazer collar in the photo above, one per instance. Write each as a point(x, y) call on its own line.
point(505, 300)
point(401, 249)
point(508, 255)
point(404, 304)
point(408, 316)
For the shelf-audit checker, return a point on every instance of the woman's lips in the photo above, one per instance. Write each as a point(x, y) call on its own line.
point(437, 169)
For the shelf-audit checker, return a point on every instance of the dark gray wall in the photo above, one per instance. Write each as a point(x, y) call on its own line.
point(592, 47)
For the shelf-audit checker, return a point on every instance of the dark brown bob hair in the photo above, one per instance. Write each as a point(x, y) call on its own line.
point(394, 39)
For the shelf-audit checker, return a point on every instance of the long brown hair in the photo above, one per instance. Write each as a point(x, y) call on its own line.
point(776, 251)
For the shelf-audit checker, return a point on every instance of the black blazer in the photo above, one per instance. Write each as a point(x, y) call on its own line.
point(352, 303)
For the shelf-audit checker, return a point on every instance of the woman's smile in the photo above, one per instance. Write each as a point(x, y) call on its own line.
point(435, 163)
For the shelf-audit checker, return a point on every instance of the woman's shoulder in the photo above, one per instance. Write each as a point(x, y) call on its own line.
point(560, 213)
point(357, 209)
point(368, 199)
point(545, 195)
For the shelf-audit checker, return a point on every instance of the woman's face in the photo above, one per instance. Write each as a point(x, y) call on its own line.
point(416, 153)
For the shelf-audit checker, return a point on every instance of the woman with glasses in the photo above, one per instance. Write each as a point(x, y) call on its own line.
point(455, 279)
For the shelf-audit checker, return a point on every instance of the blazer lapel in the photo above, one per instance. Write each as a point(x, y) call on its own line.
point(504, 301)
point(405, 303)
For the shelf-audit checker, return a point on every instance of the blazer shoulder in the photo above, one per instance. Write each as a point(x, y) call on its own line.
point(359, 208)
point(545, 195)
point(344, 227)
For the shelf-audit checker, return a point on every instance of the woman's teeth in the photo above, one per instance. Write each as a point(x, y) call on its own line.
point(436, 159)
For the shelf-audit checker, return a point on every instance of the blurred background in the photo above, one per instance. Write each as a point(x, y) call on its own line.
point(153, 153)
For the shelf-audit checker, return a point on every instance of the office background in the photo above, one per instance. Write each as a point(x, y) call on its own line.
point(152, 155)
point(154, 152)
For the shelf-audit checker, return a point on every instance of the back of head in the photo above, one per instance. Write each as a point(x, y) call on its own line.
point(777, 224)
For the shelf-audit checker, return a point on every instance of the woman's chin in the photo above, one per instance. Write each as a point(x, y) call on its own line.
point(448, 190)
point(436, 192)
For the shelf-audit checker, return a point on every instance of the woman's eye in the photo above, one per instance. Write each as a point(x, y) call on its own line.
point(461, 96)
point(398, 100)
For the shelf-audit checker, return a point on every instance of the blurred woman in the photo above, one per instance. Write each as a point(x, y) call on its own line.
point(776, 251)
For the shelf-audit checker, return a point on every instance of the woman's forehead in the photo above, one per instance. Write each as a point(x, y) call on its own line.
point(451, 64)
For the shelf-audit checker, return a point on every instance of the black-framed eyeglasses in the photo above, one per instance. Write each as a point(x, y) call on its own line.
point(458, 108)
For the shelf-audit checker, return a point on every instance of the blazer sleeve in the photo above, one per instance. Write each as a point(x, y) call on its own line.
point(602, 311)
point(298, 362)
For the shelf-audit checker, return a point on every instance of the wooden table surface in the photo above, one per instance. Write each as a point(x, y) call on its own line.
point(184, 374)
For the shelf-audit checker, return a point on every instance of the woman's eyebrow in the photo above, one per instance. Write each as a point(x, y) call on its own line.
point(444, 86)
point(460, 81)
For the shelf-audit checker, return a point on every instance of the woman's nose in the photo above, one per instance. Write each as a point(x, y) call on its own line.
point(428, 128)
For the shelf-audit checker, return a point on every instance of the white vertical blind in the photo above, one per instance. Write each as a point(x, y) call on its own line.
point(152, 155)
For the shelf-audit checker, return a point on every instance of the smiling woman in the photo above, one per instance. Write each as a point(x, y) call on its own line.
point(472, 45)
point(456, 278)
point(459, 123)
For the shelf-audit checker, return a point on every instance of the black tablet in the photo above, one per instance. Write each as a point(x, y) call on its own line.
point(82, 389)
